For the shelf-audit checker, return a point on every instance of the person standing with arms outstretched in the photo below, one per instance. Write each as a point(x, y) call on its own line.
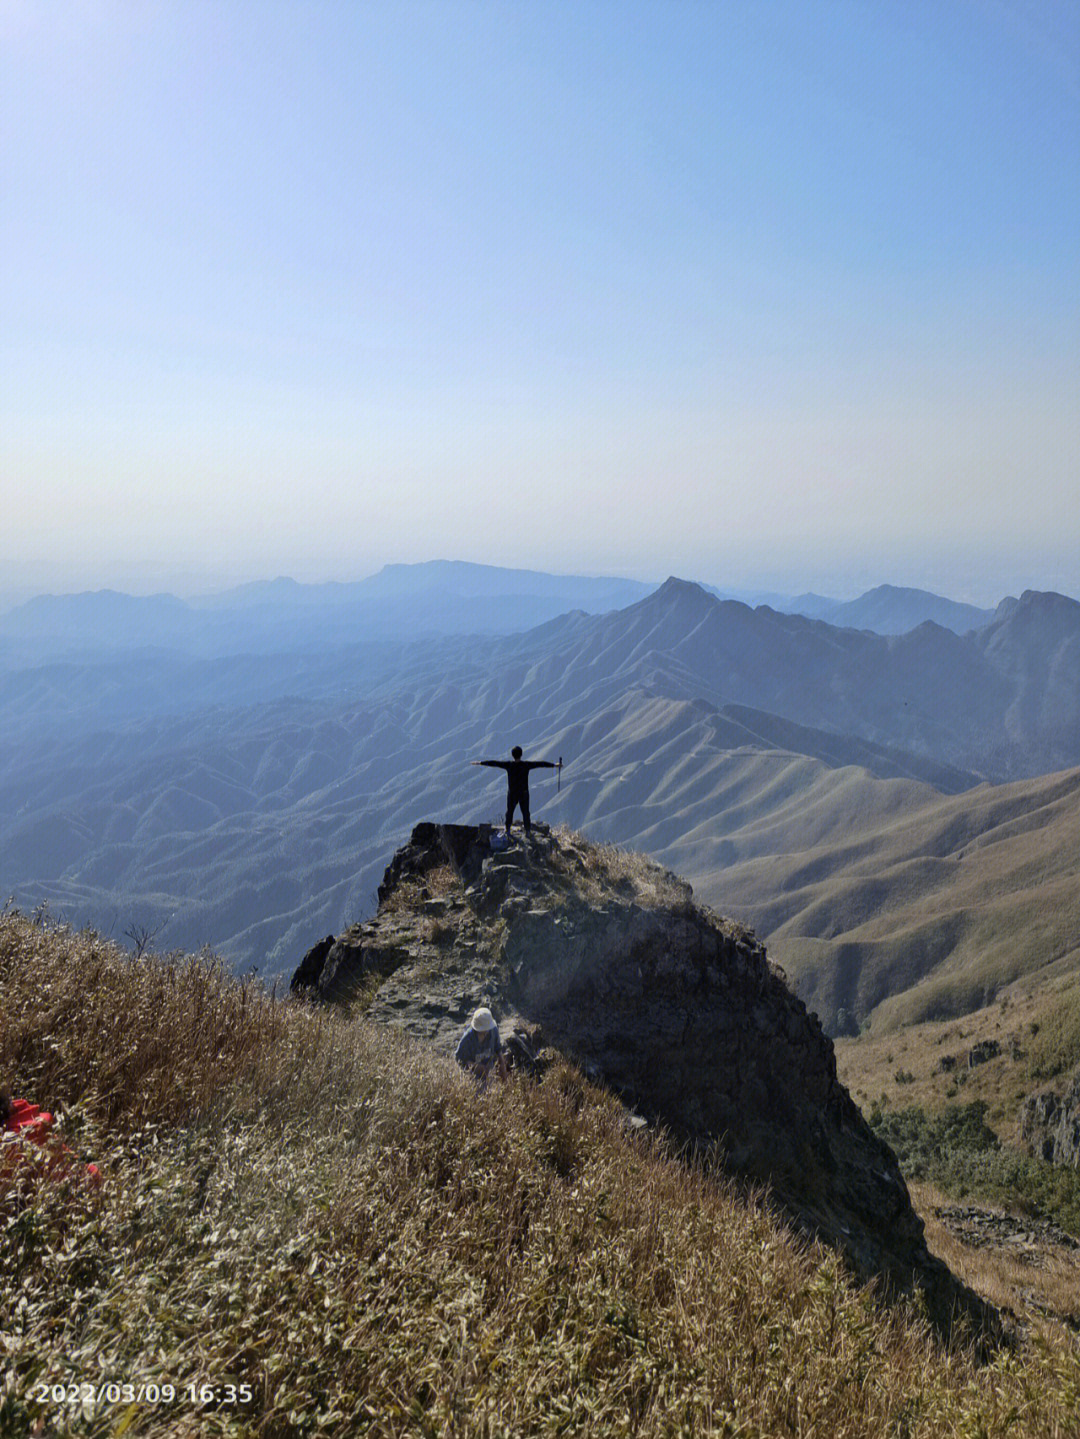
point(517, 782)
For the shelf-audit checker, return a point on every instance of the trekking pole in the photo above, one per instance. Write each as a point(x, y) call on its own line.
point(558, 783)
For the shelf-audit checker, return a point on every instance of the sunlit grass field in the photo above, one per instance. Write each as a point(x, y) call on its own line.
point(331, 1220)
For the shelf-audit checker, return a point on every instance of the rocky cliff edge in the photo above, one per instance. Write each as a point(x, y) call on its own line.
point(1050, 1124)
point(679, 1011)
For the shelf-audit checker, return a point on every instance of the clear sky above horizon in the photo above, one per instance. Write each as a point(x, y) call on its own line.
point(762, 293)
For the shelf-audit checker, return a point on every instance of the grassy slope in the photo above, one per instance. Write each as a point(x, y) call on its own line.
point(316, 1208)
point(1036, 1022)
point(937, 1111)
point(920, 911)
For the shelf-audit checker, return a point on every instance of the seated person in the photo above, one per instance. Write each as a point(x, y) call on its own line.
point(480, 1049)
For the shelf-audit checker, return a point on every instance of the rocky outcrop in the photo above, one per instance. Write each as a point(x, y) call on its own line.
point(1027, 1238)
point(677, 1010)
point(1050, 1124)
point(983, 1052)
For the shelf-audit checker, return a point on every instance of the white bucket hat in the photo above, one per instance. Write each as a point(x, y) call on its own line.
point(483, 1020)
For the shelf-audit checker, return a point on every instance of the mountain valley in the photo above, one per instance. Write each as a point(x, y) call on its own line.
point(895, 815)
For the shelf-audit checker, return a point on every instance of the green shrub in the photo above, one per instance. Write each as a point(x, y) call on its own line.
point(956, 1150)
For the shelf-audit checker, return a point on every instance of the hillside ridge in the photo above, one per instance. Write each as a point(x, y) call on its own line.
point(605, 957)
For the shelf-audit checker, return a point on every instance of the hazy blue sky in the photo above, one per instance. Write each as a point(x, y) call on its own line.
point(761, 293)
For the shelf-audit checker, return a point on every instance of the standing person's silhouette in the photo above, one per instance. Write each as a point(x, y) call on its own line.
point(517, 783)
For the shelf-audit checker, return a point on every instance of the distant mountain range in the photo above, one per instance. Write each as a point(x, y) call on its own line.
point(891, 611)
point(400, 603)
point(825, 783)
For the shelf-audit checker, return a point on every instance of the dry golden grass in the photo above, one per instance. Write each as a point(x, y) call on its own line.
point(408, 895)
point(332, 1216)
point(606, 872)
point(146, 1039)
point(442, 880)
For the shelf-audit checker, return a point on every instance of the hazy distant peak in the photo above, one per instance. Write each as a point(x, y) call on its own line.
point(466, 580)
point(1037, 604)
point(281, 584)
point(674, 590)
point(1048, 600)
point(257, 594)
point(893, 591)
point(898, 609)
point(93, 607)
point(101, 599)
point(813, 606)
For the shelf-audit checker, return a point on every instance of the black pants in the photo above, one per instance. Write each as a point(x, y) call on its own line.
point(512, 802)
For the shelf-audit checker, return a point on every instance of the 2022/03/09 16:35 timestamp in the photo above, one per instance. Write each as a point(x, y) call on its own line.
point(117, 1391)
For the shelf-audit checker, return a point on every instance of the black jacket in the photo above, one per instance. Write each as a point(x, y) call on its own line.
point(517, 773)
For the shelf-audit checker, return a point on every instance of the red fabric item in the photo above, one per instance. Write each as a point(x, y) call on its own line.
point(28, 1117)
point(27, 1121)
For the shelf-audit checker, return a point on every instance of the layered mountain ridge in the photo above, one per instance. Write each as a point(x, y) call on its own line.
point(398, 603)
point(807, 778)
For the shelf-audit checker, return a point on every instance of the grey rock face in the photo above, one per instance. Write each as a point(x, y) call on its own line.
point(693, 1026)
point(311, 966)
point(678, 1011)
point(1050, 1124)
